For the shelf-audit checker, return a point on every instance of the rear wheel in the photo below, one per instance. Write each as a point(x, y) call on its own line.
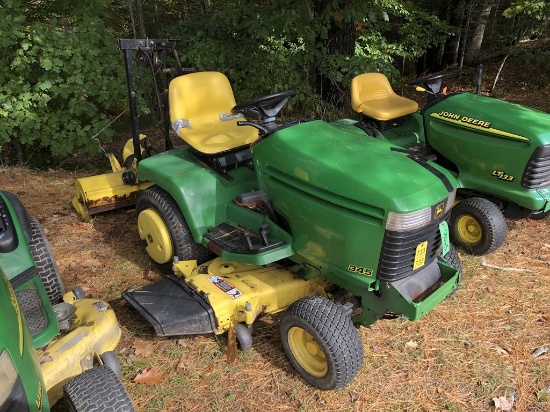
point(162, 226)
point(97, 389)
point(321, 342)
point(477, 226)
point(45, 262)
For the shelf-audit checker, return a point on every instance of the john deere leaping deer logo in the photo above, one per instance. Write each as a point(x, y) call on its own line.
point(438, 210)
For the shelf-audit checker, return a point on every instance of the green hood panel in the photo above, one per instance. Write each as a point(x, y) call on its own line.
point(351, 168)
point(496, 117)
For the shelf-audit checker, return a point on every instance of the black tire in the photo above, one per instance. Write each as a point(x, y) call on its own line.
point(477, 226)
point(540, 215)
point(314, 323)
point(244, 336)
point(45, 262)
point(453, 259)
point(109, 359)
point(183, 244)
point(97, 390)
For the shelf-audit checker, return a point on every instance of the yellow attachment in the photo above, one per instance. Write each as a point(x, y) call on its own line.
point(94, 331)
point(239, 293)
point(307, 352)
point(199, 103)
point(469, 229)
point(128, 149)
point(100, 193)
point(153, 230)
point(372, 95)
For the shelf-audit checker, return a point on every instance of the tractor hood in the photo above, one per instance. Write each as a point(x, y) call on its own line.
point(492, 116)
point(343, 165)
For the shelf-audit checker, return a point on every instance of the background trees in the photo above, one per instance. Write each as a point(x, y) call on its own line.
point(62, 80)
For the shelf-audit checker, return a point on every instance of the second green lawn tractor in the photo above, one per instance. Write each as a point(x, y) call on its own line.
point(498, 151)
point(52, 344)
point(307, 218)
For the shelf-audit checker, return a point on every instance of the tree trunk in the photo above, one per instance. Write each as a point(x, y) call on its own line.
point(472, 52)
point(339, 41)
point(456, 19)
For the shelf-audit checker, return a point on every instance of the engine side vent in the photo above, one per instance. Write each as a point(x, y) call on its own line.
point(537, 172)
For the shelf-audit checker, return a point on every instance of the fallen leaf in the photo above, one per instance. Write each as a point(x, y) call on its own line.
point(503, 403)
point(185, 360)
point(143, 348)
point(440, 390)
point(490, 289)
point(376, 348)
point(411, 344)
point(151, 276)
point(182, 343)
point(150, 376)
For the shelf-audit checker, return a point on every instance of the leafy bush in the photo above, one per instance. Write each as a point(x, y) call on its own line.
point(59, 79)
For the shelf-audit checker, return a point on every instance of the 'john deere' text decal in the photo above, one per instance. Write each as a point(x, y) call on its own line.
point(477, 124)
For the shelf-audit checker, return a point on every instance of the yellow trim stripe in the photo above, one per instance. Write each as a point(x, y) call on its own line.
point(485, 129)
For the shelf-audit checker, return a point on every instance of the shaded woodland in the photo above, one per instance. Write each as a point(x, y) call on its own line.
point(62, 79)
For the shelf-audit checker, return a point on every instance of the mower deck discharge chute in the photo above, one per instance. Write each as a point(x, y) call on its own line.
point(498, 151)
point(307, 218)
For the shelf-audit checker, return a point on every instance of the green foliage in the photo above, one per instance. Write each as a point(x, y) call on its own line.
point(58, 79)
point(266, 46)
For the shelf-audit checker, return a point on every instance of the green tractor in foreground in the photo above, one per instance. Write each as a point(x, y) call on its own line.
point(307, 218)
point(498, 151)
point(52, 344)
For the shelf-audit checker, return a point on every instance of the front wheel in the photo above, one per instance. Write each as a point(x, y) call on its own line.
point(477, 226)
point(97, 390)
point(321, 342)
point(540, 215)
point(45, 262)
point(162, 226)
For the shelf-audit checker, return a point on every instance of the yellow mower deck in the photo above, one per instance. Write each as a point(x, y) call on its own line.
point(93, 331)
point(215, 296)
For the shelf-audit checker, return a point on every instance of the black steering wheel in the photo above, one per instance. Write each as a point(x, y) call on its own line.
point(264, 108)
point(429, 79)
point(431, 84)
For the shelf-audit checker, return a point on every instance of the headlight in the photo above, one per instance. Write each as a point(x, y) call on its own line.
point(398, 222)
point(403, 222)
point(12, 394)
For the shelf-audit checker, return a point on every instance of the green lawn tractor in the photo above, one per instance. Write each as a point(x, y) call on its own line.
point(307, 218)
point(498, 151)
point(52, 344)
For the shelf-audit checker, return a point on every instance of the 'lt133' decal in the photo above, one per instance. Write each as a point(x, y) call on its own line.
point(502, 176)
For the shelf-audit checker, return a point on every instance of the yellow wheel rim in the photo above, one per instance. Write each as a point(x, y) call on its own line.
point(469, 229)
point(153, 230)
point(307, 352)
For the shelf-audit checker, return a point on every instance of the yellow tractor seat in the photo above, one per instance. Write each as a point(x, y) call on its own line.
point(200, 112)
point(372, 95)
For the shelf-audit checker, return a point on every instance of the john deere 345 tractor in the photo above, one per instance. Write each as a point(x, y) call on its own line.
point(498, 151)
point(51, 343)
point(306, 217)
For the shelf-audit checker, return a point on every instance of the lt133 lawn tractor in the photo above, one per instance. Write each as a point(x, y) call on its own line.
point(498, 151)
point(51, 343)
point(306, 218)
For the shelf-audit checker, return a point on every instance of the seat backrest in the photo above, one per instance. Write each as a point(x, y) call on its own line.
point(373, 96)
point(201, 113)
point(200, 97)
point(369, 86)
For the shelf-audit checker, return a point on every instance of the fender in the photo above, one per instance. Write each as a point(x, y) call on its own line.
point(200, 192)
